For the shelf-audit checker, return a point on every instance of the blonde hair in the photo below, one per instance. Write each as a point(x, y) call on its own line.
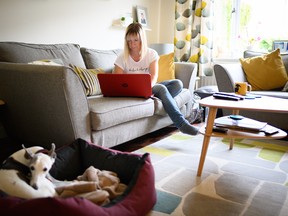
point(135, 29)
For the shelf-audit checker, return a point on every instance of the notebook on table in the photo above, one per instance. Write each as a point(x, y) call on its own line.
point(125, 85)
point(243, 124)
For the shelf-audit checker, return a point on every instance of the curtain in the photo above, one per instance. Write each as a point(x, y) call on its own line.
point(194, 33)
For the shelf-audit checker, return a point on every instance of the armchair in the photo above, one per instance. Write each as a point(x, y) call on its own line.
point(227, 74)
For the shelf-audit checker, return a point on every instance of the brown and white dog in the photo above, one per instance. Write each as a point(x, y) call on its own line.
point(24, 173)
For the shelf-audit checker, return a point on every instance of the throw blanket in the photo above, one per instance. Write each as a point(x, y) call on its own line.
point(95, 185)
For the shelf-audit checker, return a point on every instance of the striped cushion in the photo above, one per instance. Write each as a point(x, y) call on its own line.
point(89, 79)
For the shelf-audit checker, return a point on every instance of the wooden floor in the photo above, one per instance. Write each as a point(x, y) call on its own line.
point(145, 140)
point(148, 139)
point(7, 146)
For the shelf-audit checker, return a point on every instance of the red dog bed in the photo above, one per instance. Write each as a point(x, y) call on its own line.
point(136, 171)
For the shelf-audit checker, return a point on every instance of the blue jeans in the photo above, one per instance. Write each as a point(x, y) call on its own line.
point(166, 91)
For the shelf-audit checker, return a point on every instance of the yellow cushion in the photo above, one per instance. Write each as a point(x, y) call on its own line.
point(166, 67)
point(265, 72)
point(89, 79)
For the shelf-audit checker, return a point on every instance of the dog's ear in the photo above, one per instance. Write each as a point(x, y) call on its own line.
point(28, 154)
point(52, 153)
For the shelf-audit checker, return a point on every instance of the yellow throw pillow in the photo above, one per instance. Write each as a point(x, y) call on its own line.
point(265, 72)
point(89, 79)
point(166, 67)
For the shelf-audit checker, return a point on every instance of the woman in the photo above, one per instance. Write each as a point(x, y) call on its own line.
point(138, 58)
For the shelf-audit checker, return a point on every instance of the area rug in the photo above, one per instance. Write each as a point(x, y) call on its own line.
point(251, 179)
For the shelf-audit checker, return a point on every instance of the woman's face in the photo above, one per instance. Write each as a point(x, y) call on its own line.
point(134, 42)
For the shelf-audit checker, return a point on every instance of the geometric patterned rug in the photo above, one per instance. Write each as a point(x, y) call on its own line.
point(250, 180)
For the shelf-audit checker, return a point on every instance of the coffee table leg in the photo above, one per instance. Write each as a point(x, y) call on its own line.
point(234, 112)
point(231, 143)
point(207, 136)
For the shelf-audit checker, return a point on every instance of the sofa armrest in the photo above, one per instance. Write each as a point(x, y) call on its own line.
point(44, 104)
point(186, 72)
point(227, 74)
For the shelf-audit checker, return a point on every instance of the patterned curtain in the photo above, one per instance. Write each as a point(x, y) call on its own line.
point(194, 33)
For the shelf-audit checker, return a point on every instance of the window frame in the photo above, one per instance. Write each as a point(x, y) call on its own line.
point(232, 49)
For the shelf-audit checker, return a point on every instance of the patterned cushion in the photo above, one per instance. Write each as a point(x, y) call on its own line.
point(89, 79)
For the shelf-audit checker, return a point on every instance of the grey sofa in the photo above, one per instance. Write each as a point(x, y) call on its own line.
point(227, 74)
point(45, 104)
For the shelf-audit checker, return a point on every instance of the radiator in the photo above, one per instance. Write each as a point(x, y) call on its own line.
point(206, 81)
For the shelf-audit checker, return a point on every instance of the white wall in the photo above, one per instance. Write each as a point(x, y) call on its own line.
point(85, 22)
point(167, 20)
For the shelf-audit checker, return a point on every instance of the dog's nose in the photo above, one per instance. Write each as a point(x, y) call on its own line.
point(35, 186)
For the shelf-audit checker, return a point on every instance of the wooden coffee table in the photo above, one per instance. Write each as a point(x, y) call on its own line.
point(263, 104)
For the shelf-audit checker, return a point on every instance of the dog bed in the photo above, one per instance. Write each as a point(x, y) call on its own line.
point(136, 171)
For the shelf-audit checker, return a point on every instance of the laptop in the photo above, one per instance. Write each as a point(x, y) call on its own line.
point(125, 85)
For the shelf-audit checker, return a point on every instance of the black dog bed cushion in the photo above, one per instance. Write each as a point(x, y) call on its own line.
point(136, 171)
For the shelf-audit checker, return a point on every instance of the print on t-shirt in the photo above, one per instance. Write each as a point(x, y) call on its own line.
point(138, 70)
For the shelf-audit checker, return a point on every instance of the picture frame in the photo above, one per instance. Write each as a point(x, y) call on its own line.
point(142, 16)
point(281, 44)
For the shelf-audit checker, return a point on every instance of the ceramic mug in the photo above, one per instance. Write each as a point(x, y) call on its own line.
point(242, 88)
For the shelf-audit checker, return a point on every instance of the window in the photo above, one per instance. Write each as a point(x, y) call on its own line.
point(248, 24)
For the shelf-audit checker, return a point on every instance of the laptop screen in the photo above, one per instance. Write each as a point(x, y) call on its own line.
point(125, 85)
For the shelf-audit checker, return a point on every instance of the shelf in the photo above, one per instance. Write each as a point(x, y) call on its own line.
point(118, 25)
point(244, 134)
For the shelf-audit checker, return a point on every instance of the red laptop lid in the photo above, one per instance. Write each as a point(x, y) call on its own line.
point(125, 85)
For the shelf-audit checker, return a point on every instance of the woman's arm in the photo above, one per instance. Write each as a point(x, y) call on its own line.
point(118, 70)
point(153, 68)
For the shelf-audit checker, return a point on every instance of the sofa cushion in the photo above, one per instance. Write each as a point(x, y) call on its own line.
point(103, 59)
point(89, 79)
point(277, 94)
point(181, 99)
point(285, 88)
point(53, 62)
point(166, 67)
point(106, 112)
point(265, 72)
point(17, 52)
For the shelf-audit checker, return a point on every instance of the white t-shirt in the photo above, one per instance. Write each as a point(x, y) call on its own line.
point(141, 66)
